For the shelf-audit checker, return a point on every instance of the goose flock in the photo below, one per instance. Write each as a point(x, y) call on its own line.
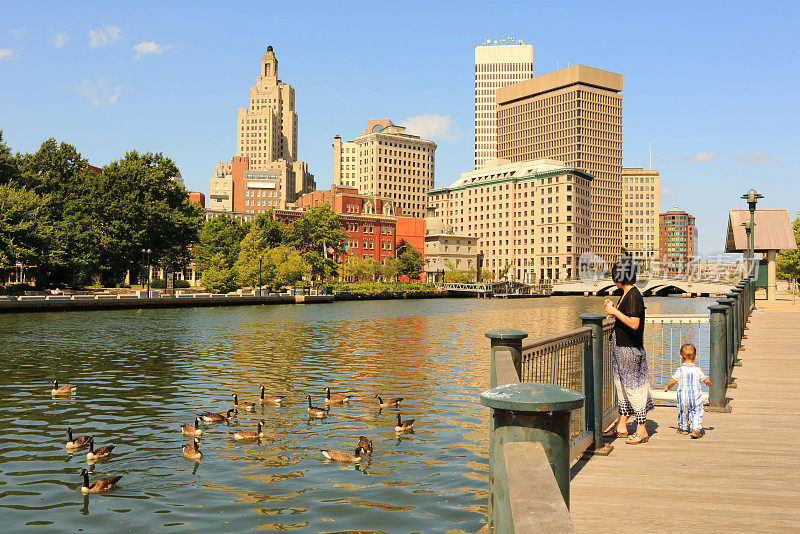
point(191, 451)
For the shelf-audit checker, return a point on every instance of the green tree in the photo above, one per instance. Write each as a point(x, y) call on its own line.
point(391, 268)
point(411, 262)
point(285, 267)
point(453, 276)
point(264, 234)
point(9, 164)
point(22, 235)
point(144, 207)
point(59, 175)
point(219, 243)
point(317, 227)
point(788, 264)
point(487, 275)
point(217, 278)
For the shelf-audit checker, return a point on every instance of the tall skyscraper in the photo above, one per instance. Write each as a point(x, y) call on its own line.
point(640, 205)
point(265, 174)
point(573, 115)
point(677, 242)
point(496, 65)
point(385, 160)
point(267, 128)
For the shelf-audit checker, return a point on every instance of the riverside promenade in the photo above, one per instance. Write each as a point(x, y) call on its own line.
point(742, 476)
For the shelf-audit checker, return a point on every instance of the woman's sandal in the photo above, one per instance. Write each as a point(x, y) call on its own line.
point(614, 433)
point(636, 439)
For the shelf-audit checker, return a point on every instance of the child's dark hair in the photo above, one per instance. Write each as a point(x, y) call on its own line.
point(624, 271)
point(689, 351)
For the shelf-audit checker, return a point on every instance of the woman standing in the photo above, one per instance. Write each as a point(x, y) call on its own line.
point(628, 359)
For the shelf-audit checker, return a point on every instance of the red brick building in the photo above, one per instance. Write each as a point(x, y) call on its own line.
point(370, 221)
point(677, 239)
point(197, 198)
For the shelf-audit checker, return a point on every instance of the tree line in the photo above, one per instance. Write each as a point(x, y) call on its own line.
point(266, 253)
point(76, 227)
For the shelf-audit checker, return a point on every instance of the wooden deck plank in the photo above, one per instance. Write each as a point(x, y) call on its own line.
point(743, 476)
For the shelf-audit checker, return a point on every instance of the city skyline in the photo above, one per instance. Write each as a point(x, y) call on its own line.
point(116, 80)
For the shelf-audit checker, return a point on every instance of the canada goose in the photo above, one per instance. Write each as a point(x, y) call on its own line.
point(270, 399)
point(62, 390)
point(76, 443)
point(338, 399)
point(313, 411)
point(245, 405)
point(341, 456)
point(403, 426)
point(191, 451)
point(98, 486)
point(192, 430)
point(210, 417)
point(102, 452)
point(394, 401)
point(248, 434)
point(365, 443)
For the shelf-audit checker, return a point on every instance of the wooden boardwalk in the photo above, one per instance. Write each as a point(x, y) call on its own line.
point(743, 476)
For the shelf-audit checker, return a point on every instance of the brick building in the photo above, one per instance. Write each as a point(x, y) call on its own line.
point(677, 239)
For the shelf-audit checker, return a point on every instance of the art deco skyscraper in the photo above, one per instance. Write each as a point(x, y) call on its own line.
point(266, 130)
point(265, 174)
point(495, 66)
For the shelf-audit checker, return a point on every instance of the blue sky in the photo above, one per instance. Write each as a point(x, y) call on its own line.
point(712, 84)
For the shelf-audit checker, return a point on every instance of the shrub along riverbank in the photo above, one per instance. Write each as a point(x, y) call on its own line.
point(384, 290)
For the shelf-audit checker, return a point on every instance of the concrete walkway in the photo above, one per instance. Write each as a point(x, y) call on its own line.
point(743, 476)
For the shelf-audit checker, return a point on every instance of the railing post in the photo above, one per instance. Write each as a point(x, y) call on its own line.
point(593, 381)
point(729, 354)
point(717, 368)
point(736, 295)
point(528, 411)
point(741, 288)
point(506, 338)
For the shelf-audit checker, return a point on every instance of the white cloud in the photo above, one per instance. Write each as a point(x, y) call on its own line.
point(103, 36)
point(60, 40)
point(432, 127)
point(667, 192)
point(674, 158)
point(7, 53)
point(704, 157)
point(757, 158)
point(100, 93)
point(18, 33)
point(149, 47)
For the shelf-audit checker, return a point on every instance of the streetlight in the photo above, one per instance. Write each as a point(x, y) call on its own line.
point(752, 199)
point(260, 258)
point(147, 272)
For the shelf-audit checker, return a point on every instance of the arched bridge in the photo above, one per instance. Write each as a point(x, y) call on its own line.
point(654, 286)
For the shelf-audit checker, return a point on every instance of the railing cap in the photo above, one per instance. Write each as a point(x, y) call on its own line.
point(532, 397)
point(506, 333)
point(717, 308)
point(732, 295)
point(592, 317)
point(726, 301)
point(738, 290)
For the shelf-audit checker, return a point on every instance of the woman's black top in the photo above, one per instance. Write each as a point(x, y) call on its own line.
point(632, 305)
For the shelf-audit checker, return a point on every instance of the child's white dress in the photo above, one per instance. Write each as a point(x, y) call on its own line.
point(690, 396)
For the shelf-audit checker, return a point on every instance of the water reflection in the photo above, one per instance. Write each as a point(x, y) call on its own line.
point(142, 373)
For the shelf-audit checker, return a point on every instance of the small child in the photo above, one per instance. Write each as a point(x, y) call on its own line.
point(690, 397)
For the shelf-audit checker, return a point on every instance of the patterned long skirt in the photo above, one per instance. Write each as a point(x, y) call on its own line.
point(629, 367)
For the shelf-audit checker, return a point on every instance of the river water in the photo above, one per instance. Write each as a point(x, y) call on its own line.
point(141, 373)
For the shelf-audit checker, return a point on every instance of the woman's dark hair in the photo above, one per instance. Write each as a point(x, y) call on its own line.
point(624, 271)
